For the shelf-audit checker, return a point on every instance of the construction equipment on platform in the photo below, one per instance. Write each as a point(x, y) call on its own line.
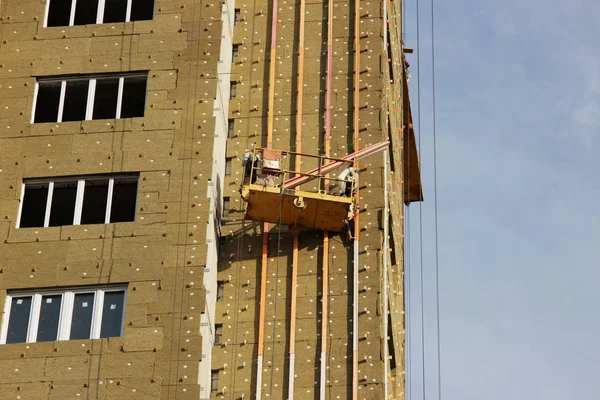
point(272, 193)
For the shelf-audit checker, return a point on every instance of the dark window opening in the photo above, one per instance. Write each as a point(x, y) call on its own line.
point(94, 202)
point(391, 153)
point(390, 343)
point(214, 380)
point(123, 201)
point(115, 11)
point(46, 106)
point(86, 12)
point(105, 99)
point(59, 12)
point(112, 314)
point(389, 55)
point(134, 97)
point(105, 94)
point(18, 323)
point(221, 248)
point(75, 100)
point(228, 162)
point(225, 206)
point(235, 52)
point(220, 290)
point(218, 334)
point(33, 211)
point(49, 317)
point(232, 89)
point(230, 128)
point(142, 10)
point(66, 208)
point(393, 260)
point(63, 204)
point(83, 310)
point(237, 17)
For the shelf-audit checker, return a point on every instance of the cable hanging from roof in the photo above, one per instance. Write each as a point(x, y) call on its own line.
point(435, 205)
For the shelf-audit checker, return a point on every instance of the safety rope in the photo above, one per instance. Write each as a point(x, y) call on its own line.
point(276, 292)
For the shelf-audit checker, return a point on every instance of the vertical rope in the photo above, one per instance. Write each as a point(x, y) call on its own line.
point(357, 200)
point(420, 207)
point(435, 205)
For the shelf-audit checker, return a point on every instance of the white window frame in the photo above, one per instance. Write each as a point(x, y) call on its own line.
point(79, 196)
point(99, 15)
point(89, 111)
point(66, 310)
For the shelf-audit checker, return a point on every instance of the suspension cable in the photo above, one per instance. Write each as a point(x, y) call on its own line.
point(420, 207)
point(435, 205)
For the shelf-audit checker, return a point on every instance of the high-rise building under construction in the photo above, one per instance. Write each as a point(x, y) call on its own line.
point(194, 199)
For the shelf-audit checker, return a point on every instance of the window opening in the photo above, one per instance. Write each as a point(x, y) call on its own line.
point(124, 201)
point(59, 12)
point(228, 162)
point(225, 206)
point(237, 17)
point(390, 343)
point(75, 100)
point(134, 97)
point(81, 321)
point(48, 99)
point(214, 380)
point(78, 200)
point(389, 55)
point(105, 98)
point(235, 52)
point(220, 290)
point(142, 10)
point(232, 89)
point(62, 210)
point(85, 12)
point(94, 97)
point(218, 334)
point(230, 128)
point(33, 210)
point(222, 247)
point(114, 11)
point(94, 202)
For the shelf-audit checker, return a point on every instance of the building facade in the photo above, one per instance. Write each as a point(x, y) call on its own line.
point(127, 270)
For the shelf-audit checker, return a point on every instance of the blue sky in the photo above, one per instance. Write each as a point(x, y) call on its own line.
point(518, 124)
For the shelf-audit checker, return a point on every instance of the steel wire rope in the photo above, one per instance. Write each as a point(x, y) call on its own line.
point(238, 286)
point(242, 205)
point(276, 293)
point(421, 269)
point(435, 204)
point(248, 140)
